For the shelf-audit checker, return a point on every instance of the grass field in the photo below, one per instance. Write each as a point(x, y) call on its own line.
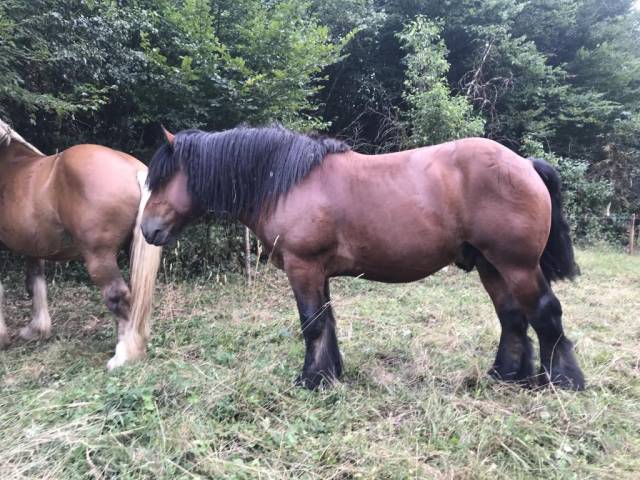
point(215, 398)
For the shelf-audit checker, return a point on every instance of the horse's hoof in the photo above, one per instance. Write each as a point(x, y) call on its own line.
point(31, 334)
point(563, 370)
point(5, 341)
point(313, 381)
point(118, 360)
point(115, 362)
point(572, 379)
point(306, 382)
point(522, 381)
point(125, 353)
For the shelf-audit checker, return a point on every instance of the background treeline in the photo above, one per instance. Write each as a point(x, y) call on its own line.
point(552, 78)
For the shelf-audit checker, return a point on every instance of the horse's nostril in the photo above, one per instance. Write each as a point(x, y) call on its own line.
point(150, 231)
point(156, 231)
point(156, 234)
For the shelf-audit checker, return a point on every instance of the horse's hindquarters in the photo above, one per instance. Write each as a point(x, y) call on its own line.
point(82, 203)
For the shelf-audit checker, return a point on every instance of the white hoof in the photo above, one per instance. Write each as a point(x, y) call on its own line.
point(115, 362)
point(124, 355)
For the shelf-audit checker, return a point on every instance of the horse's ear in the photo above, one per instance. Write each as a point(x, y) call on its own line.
point(168, 135)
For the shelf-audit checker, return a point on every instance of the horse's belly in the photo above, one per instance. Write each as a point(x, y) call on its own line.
point(37, 240)
point(395, 264)
point(410, 274)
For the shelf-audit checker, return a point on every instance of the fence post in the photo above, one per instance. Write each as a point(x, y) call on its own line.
point(247, 255)
point(632, 234)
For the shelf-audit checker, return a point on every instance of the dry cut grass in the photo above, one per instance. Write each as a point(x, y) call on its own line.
point(215, 400)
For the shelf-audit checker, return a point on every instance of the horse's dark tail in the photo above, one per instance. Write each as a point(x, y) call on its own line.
point(557, 261)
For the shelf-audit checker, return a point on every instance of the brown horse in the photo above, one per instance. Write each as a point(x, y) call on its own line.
point(323, 210)
point(85, 202)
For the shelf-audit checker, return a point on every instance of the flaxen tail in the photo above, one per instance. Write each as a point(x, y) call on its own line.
point(145, 261)
point(557, 261)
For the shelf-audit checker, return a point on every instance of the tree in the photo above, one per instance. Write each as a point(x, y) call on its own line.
point(109, 72)
point(433, 114)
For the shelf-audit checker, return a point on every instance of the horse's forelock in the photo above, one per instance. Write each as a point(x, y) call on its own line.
point(163, 166)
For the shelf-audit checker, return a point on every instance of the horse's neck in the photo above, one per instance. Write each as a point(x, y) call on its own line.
point(16, 151)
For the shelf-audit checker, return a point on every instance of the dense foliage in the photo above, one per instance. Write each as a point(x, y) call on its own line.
point(108, 71)
point(551, 77)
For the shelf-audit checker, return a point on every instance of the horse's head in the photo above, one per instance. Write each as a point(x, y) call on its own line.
point(170, 206)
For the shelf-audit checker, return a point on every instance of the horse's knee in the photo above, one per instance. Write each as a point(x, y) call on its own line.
point(118, 299)
point(33, 276)
point(513, 320)
point(547, 318)
point(322, 358)
point(131, 345)
point(40, 325)
point(322, 363)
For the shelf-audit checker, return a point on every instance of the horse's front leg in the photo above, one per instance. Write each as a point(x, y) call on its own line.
point(40, 325)
point(322, 362)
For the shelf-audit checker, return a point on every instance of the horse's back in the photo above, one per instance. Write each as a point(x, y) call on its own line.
point(402, 216)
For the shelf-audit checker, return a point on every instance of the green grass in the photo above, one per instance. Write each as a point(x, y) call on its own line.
point(215, 398)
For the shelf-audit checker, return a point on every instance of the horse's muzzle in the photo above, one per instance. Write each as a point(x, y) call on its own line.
point(155, 231)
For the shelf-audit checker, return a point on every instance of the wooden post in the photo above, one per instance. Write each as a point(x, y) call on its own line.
point(247, 254)
point(632, 234)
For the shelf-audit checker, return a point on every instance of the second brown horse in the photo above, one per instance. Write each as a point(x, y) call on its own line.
point(85, 202)
point(323, 210)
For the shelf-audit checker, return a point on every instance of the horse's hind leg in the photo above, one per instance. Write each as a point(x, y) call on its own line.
point(544, 313)
point(5, 339)
point(40, 325)
point(322, 360)
point(514, 359)
point(104, 271)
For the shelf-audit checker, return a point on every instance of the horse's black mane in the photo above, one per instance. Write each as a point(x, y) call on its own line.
point(240, 171)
